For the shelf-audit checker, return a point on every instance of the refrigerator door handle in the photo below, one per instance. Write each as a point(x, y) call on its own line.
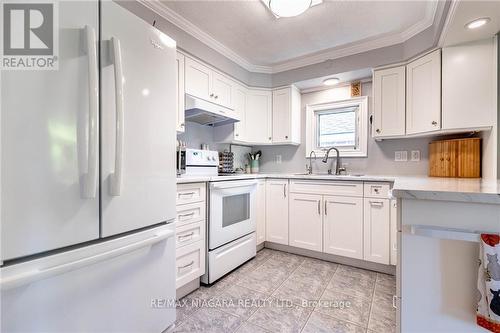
point(90, 179)
point(39, 274)
point(116, 177)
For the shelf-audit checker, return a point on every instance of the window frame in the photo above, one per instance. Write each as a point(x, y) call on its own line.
point(312, 122)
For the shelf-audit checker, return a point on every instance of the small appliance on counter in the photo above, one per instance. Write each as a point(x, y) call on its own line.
point(181, 158)
point(199, 162)
point(226, 162)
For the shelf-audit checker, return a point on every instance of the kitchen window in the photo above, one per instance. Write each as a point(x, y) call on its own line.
point(340, 124)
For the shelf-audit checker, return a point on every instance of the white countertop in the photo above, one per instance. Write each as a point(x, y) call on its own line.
point(418, 187)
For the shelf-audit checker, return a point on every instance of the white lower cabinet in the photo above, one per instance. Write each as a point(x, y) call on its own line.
point(189, 263)
point(377, 230)
point(343, 226)
point(306, 221)
point(277, 211)
point(261, 212)
point(190, 233)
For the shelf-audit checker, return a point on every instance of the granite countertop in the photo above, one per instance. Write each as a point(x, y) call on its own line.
point(417, 187)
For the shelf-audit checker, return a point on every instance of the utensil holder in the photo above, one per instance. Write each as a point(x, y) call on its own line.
point(254, 166)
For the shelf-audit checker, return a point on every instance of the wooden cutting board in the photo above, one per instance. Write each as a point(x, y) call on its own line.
point(455, 158)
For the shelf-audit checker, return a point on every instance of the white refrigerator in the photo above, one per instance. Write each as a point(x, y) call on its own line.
point(88, 179)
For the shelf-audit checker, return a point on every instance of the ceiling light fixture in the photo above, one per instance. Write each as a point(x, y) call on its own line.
point(289, 8)
point(477, 23)
point(331, 81)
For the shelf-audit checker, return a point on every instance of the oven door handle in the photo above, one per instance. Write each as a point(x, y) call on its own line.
point(232, 184)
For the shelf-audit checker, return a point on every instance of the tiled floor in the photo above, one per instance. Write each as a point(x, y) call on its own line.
point(270, 294)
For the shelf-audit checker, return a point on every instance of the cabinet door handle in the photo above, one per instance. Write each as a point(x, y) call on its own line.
point(434, 123)
point(216, 96)
point(377, 130)
point(286, 136)
point(395, 302)
point(211, 95)
point(186, 266)
point(376, 203)
point(326, 204)
point(284, 190)
point(319, 207)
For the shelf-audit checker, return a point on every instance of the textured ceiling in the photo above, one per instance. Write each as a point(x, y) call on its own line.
point(251, 31)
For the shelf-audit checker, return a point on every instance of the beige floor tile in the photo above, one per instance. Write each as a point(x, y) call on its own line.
point(321, 323)
point(209, 320)
point(345, 307)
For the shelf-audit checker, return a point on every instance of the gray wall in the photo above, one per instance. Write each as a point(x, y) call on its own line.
point(380, 158)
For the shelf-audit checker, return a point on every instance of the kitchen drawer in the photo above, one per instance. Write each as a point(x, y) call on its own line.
point(191, 213)
point(344, 188)
point(189, 233)
point(189, 263)
point(189, 193)
point(377, 190)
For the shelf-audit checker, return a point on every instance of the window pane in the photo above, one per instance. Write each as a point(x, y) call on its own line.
point(337, 127)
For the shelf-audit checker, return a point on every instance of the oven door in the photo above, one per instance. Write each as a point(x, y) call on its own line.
point(232, 211)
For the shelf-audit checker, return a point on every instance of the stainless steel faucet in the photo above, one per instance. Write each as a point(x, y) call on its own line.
point(310, 168)
point(337, 163)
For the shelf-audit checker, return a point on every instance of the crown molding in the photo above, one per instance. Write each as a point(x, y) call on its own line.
point(447, 23)
point(321, 56)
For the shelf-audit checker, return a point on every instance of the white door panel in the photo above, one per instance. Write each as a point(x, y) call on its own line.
point(343, 226)
point(45, 145)
point(146, 195)
point(306, 221)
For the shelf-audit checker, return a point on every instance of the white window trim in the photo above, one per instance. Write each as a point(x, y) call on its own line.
point(362, 104)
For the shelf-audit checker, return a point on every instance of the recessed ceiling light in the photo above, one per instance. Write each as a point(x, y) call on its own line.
point(477, 23)
point(331, 81)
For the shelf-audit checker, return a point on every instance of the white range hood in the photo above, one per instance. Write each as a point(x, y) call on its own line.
point(208, 113)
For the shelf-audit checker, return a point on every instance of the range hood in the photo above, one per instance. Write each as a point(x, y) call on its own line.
point(208, 113)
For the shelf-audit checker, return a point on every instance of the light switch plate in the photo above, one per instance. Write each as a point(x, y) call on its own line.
point(397, 156)
point(415, 155)
point(404, 156)
point(278, 159)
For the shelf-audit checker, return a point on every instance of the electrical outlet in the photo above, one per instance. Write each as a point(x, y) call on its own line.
point(278, 159)
point(401, 156)
point(415, 155)
point(397, 156)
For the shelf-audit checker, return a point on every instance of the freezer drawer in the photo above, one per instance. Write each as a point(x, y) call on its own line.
point(109, 287)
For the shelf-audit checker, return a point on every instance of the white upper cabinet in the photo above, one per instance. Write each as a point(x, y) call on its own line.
point(203, 82)
point(180, 92)
point(277, 211)
point(377, 230)
point(469, 85)
point(240, 97)
point(306, 221)
point(423, 94)
point(258, 116)
point(222, 90)
point(286, 116)
point(389, 102)
point(198, 79)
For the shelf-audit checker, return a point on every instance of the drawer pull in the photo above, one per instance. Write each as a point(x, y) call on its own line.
point(186, 266)
point(186, 215)
point(376, 203)
point(187, 193)
point(395, 302)
point(376, 190)
point(182, 238)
